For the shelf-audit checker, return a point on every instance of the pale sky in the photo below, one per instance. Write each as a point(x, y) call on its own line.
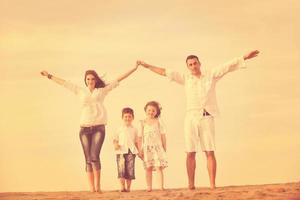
point(257, 135)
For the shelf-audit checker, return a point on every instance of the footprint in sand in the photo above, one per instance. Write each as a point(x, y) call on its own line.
point(201, 193)
point(260, 194)
point(277, 190)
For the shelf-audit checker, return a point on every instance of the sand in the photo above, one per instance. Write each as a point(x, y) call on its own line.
point(286, 191)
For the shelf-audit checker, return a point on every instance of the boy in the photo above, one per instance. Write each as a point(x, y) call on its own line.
point(126, 148)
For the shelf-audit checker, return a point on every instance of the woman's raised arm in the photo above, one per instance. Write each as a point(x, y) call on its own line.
point(54, 78)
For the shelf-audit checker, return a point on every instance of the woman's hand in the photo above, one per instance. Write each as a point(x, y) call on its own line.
point(140, 62)
point(117, 146)
point(136, 65)
point(53, 78)
point(44, 73)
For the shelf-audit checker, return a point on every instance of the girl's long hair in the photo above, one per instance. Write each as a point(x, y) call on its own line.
point(156, 105)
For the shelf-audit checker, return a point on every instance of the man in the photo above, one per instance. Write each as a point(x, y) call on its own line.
point(201, 108)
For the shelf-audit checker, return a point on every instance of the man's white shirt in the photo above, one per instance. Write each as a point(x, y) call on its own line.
point(200, 92)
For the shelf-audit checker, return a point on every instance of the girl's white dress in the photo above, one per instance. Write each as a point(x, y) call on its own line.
point(154, 153)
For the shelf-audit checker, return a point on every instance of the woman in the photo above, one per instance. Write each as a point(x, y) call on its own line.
point(93, 118)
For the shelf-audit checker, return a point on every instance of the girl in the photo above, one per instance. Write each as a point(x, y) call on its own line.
point(93, 118)
point(152, 144)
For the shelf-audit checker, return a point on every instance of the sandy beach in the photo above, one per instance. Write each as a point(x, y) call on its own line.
point(287, 191)
point(254, 106)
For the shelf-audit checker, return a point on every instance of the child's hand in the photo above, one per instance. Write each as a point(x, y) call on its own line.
point(141, 155)
point(117, 146)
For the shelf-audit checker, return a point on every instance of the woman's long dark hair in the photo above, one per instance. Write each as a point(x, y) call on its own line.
point(99, 82)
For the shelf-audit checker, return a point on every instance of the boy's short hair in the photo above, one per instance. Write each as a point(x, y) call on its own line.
point(127, 110)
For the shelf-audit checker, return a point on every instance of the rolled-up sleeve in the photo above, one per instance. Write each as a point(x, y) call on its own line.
point(175, 76)
point(72, 87)
point(111, 86)
point(230, 66)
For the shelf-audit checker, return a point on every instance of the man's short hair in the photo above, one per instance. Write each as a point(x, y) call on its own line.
point(191, 57)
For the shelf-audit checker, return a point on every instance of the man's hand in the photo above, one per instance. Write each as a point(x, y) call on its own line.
point(251, 54)
point(140, 62)
point(158, 70)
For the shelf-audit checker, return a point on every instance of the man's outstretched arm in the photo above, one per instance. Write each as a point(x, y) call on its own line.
point(251, 54)
point(220, 71)
point(158, 70)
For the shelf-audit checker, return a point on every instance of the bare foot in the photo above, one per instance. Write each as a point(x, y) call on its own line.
point(98, 191)
point(213, 187)
point(191, 187)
